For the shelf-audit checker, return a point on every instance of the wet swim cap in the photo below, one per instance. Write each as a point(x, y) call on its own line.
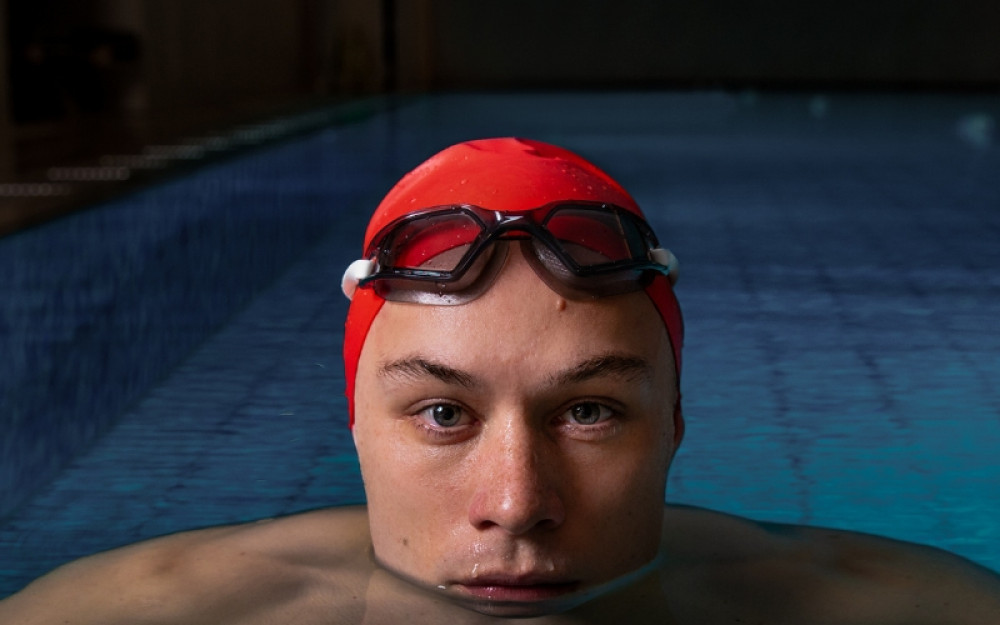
point(505, 175)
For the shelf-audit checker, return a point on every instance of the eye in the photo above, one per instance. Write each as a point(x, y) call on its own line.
point(589, 413)
point(442, 415)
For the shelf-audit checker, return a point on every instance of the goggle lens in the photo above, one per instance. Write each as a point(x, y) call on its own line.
point(436, 243)
point(591, 237)
point(442, 252)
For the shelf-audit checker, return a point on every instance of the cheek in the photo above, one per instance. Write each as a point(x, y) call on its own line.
point(404, 483)
point(385, 468)
point(631, 479)
point(620, 499)
point(413, 510)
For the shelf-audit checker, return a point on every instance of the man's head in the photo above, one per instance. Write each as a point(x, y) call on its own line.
point(509, 176)
point(516, 400)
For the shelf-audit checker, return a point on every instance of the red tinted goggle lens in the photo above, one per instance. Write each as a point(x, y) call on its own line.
point(594, 248)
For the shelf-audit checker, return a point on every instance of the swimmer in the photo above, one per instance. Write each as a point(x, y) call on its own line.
point(512, 355)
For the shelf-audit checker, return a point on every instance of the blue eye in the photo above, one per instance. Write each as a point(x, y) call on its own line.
point(589, 413)
point(444, 415)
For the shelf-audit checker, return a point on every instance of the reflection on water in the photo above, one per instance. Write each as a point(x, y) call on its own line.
point(455, 602)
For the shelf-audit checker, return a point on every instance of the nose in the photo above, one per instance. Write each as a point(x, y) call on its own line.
point(517, 487)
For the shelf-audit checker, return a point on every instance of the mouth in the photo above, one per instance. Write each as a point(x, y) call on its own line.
point(520, 589)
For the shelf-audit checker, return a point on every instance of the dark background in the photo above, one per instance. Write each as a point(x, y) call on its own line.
point(81, 78)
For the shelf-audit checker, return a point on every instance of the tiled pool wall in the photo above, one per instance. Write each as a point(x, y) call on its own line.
point(99, 305)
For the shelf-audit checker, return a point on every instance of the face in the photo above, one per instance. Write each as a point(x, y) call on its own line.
point(515, 448)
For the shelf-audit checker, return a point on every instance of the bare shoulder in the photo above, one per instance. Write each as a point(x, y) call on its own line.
point(200, 575)
point(824, 575)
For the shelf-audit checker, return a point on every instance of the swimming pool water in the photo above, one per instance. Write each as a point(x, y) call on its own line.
point(840, 288)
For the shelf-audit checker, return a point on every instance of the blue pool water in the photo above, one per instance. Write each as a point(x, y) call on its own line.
point(839, 279)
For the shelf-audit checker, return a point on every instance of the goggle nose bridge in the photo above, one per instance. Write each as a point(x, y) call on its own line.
point(507, 223)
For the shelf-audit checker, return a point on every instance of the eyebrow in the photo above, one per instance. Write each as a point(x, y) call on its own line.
point(416, 367)
point(614, 365)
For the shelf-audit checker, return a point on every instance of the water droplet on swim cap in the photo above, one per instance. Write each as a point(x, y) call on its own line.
point(505, 174)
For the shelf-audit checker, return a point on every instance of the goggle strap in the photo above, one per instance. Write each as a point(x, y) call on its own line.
point(355, 273)
point(363, 268)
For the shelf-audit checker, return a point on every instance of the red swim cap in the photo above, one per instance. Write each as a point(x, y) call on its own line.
point(502, 175)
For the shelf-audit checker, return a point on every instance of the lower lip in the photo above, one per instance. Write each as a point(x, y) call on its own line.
point(529, 592)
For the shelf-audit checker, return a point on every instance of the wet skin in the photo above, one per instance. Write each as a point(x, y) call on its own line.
point(529, 441)
point(515, 452)
point(317, 568)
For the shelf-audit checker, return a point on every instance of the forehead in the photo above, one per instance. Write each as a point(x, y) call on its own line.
point(519, 325)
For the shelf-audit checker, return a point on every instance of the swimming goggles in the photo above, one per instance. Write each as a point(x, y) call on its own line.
point(452, 254)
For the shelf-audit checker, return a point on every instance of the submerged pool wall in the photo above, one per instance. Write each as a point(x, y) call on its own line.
point(97, 306)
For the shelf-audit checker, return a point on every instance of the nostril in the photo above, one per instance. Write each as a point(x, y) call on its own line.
point(548, 524)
